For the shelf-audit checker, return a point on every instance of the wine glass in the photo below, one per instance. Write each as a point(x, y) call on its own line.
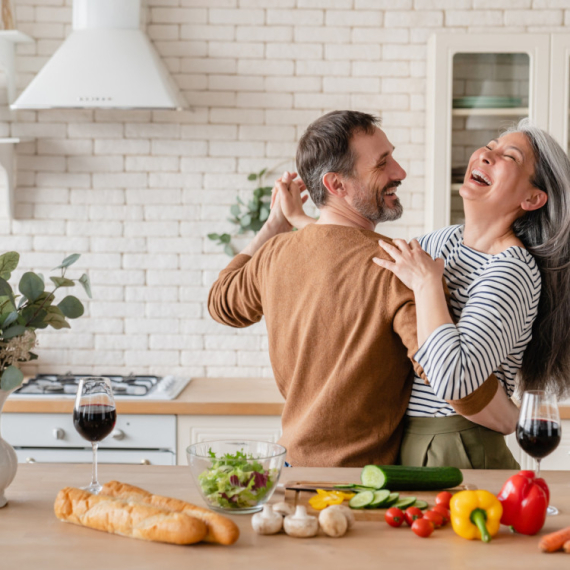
point(94, 417)
point(538, 428)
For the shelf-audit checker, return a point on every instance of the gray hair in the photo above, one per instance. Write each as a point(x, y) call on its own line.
point(546, 234)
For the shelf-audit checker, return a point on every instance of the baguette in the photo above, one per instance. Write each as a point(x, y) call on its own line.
point(221, 530)
point(127, 518)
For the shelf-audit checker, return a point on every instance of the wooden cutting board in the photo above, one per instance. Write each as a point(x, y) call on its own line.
point(294, 497)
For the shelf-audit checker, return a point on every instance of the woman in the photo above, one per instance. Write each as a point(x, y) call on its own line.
point(507, 271)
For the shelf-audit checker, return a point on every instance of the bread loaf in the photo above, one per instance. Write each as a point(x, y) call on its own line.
point(127, 518)
point(220, 529)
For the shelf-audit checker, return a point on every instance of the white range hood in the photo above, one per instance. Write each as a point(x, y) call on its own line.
point(106, 62)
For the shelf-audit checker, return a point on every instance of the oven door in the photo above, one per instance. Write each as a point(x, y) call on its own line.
point(130, 456)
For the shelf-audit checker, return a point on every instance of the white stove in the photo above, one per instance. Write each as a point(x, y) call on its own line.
point(132, 386)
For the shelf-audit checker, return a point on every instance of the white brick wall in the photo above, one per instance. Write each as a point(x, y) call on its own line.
point(136, 192)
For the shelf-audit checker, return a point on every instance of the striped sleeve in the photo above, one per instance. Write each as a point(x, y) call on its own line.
point(498, 314)
point(434, 242)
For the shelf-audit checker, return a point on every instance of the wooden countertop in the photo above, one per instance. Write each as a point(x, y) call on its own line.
point(31, 536)
point(203, 396)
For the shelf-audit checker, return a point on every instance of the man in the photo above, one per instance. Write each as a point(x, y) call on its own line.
point(342, 332)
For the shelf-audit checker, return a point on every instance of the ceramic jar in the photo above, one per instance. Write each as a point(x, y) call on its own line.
point(8, 459)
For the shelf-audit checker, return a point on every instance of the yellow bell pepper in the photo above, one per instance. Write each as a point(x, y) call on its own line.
point(476, 514)
point(325, 498)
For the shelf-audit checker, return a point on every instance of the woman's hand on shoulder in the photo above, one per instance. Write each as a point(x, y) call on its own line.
point(411, 264)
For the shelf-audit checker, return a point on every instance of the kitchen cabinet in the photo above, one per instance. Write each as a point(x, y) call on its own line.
point(196, 429)
point(478, 84)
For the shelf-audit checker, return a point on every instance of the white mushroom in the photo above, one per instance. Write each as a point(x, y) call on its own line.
point(333, 522)
point(301, 524)
point(346, 512)
point(283, 508)
point(267, 521)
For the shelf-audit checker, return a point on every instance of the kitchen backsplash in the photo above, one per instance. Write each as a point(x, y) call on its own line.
point(137, 192)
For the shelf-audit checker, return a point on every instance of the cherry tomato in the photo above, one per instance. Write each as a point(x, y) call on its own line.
point(443, 498)
point(435, 517)
point(422, 527)
point(411, 514)
point(443, 512)
point(394, 517)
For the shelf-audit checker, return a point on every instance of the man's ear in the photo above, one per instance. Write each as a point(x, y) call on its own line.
point(333, 183)
point(535, 201)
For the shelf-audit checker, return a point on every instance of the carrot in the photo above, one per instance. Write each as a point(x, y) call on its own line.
point(555, 540)
point(567, 547)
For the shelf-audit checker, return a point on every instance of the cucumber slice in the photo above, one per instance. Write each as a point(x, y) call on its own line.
point(405, 502)
point(380, 497)
point(421, 504)
point(361, 500)
point(360, 488)
point(392, 500)
point(348, 486)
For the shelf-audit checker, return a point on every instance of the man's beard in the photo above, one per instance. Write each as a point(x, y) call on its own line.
point(373, 205)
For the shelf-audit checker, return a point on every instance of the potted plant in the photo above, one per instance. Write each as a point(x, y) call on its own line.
point(21, 314)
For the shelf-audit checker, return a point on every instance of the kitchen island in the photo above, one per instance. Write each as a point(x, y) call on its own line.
point(31, 537)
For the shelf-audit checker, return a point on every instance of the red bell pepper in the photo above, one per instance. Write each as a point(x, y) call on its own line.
point(525, 500)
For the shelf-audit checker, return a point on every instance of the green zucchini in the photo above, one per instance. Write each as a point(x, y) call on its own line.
point(380, 497)
point(422, 505)
point(401, 478)
point(345, 486)
point(361, 500)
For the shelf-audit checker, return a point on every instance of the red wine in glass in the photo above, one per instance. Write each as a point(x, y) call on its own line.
point(94, 422)
point(94, 417)
point(538, 428)
point(538, 438)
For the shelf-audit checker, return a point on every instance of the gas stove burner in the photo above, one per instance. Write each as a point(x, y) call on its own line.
point(131, 386)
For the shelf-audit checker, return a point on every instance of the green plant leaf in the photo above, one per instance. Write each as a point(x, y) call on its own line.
point(228, 250)
point(252, 176)
point(69, 260)
point(213, 237)
point(86, 282)
point(12, 377)
point(264, 213)
point(14, 330)
point(235, 210)
point(267, 190)
point(55, 318)
point(225, 238)
point(31, 286)
point(256, 225)
point(258, 192)
point(63, 282)
point(33, 355)
point(71, 307)
point(8, 262)
point(6, 291)
point(11, 318)
point(38, 321)
point(45, 299)
point(262, 172)
point(245, 221)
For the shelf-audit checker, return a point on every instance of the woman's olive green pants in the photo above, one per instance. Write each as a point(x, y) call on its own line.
point(455, 442)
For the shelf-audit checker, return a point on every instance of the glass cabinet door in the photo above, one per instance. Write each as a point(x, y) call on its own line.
point(490, 93)
point(477, 86)
point(560, 90)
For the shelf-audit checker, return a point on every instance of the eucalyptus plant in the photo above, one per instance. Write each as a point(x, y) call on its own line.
point(30, 309)
point(253, 215)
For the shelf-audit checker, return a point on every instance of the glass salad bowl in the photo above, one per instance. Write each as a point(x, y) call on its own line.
point(236, 477)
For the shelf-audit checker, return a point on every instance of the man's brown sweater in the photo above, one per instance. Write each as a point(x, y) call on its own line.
point(341, 332)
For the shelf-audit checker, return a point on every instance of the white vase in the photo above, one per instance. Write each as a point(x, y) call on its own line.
point(8, 459)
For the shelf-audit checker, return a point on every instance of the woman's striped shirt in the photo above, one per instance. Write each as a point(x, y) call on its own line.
point(495, 300)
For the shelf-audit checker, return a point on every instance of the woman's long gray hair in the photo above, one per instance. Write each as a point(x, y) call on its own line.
point(546, 234)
